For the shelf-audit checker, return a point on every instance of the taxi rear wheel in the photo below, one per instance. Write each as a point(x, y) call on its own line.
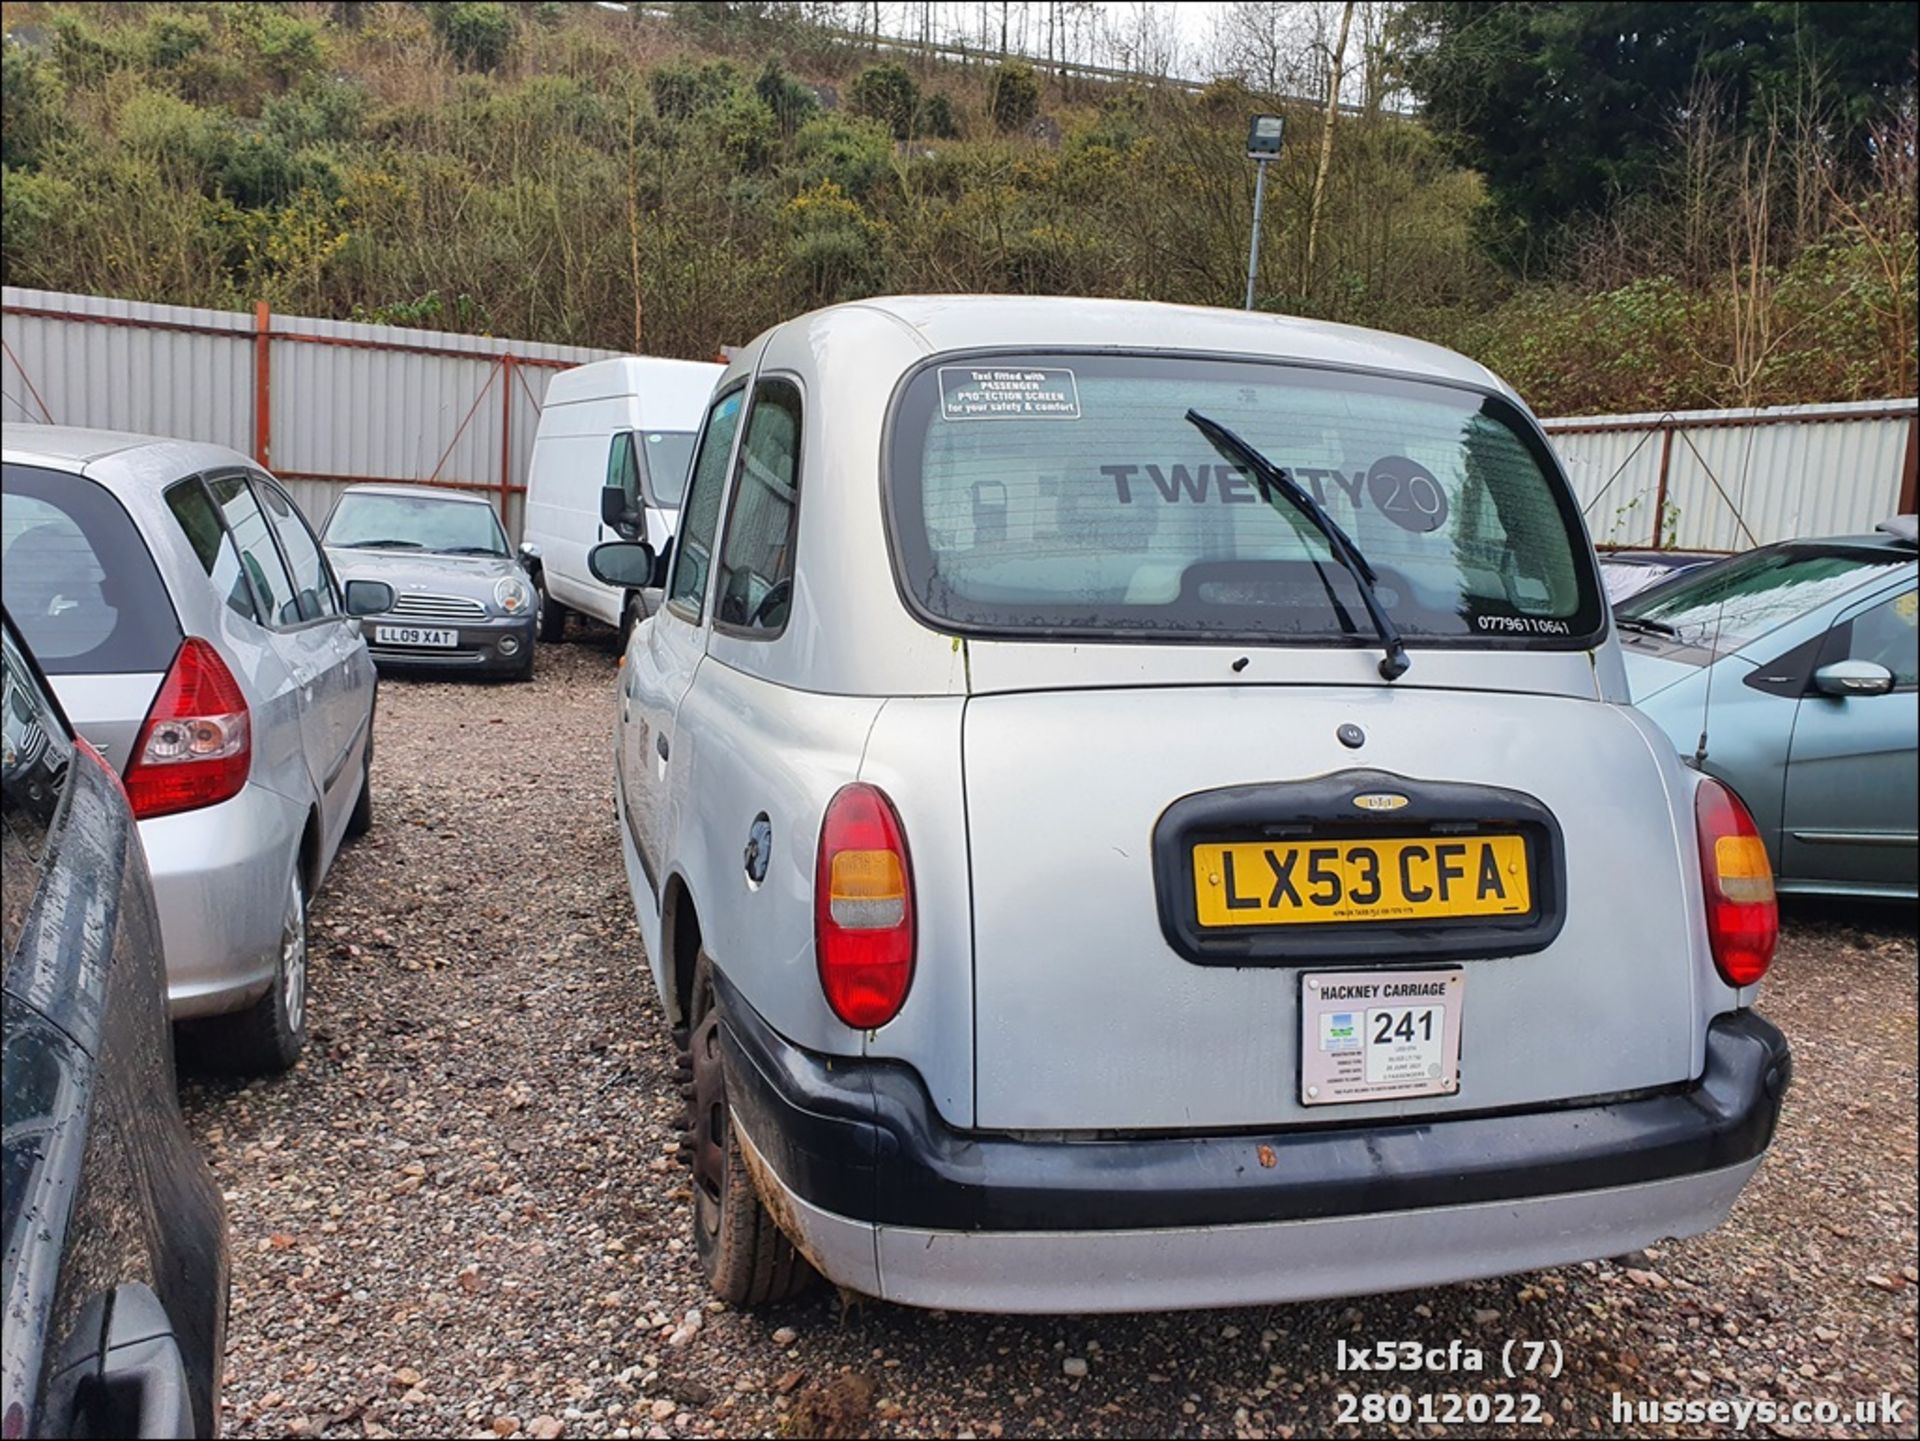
point(748, 1260)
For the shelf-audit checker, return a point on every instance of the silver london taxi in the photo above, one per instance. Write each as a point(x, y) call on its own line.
point(1137, 807)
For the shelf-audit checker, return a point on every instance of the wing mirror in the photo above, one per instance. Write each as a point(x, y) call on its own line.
point(369, 597)
point(617, 514)
point(625, 564)
point(1846, 678)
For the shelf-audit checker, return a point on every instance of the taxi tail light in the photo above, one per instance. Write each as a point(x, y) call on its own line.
point(1743, 918)
point(863, 920)
point(196, 746)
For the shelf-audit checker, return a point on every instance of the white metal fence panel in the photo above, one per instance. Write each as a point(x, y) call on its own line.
point(1737, 478)
point(115, 371)
point(345, 401)
point(351, 402)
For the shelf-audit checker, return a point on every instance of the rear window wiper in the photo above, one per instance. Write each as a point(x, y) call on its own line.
point(1645, 626)
point(1272, 480)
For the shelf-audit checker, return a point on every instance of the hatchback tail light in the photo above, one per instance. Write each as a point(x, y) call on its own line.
point(196, 747)
point(1743, 918)
point(863, 924)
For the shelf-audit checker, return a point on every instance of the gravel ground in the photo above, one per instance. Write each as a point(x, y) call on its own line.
point(460, 1214)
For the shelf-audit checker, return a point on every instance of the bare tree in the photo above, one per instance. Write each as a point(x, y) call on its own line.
point(1336, 59)
point(1260, 41)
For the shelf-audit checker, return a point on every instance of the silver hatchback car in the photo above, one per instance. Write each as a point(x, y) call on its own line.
point(194, 634)
point(1131, 806)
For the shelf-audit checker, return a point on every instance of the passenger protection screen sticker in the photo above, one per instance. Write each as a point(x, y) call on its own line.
point(1007, 393)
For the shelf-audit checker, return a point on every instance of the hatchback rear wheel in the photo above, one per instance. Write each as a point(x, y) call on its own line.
point(747, 1258)
point(270, 1034)
point(361, 820)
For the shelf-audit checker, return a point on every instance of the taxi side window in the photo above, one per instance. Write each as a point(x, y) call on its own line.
point(700, 518)
point(756, 563)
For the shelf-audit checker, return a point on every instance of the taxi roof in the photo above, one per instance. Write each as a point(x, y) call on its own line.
point(942, 323)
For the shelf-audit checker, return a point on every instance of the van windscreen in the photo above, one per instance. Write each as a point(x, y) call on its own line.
point(666, 454)
point(1069, 495)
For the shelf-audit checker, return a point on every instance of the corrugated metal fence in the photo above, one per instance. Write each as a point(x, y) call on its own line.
point(329, 402)
point(323, 403)
point(1732, 479)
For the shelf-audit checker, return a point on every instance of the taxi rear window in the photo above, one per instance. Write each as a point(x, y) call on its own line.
point(1068, 495)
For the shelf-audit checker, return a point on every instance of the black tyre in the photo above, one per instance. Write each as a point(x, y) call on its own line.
point(361, 821)
point(747, 1258)
point(525, 671)
point(553, 616)
point(269, 1035)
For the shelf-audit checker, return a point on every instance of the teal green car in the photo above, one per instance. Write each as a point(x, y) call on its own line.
point(1790, 673)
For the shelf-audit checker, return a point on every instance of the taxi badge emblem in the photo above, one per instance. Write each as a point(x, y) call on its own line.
point(1380, 801)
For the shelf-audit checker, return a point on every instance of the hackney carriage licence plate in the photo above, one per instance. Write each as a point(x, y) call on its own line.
point(1380, 1035)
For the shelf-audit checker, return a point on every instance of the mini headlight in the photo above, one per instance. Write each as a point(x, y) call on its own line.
point(512, 596)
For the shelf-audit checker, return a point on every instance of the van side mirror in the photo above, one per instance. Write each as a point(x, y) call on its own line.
point(624, 564)
point(1845, 678)
point(617, 514)
point(369, 597)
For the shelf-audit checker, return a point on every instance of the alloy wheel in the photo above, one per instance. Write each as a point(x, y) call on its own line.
point(293, 957)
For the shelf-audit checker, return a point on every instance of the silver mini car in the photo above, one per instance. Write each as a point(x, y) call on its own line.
point(1137, 807)
point(462, 599)
point(193, 632)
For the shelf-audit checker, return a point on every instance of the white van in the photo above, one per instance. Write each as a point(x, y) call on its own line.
point(622, 425)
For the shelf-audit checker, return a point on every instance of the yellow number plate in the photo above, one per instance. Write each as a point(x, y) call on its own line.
point(1260, 883)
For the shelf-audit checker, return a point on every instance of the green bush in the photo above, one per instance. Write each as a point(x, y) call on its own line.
point(171, 38)
point(887, 93)
point(682, 89)
point(789, 100)
point(1013, 97)
point(320, 112)
point(82, 54)
point(256, 171)
point(30, 106)
point(286, 47)
point(478, 34)
point(744, 130)
point(32, 209)
point(855, 156)
point(164, 128)
point(834, 251)
point(935, 119)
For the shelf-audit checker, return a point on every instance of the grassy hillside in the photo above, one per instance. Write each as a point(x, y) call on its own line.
point(563, 173)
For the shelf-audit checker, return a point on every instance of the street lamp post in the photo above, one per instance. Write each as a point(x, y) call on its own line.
point(1263, 145)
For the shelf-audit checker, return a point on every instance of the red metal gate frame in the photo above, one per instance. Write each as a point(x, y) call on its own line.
point(508, 366)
